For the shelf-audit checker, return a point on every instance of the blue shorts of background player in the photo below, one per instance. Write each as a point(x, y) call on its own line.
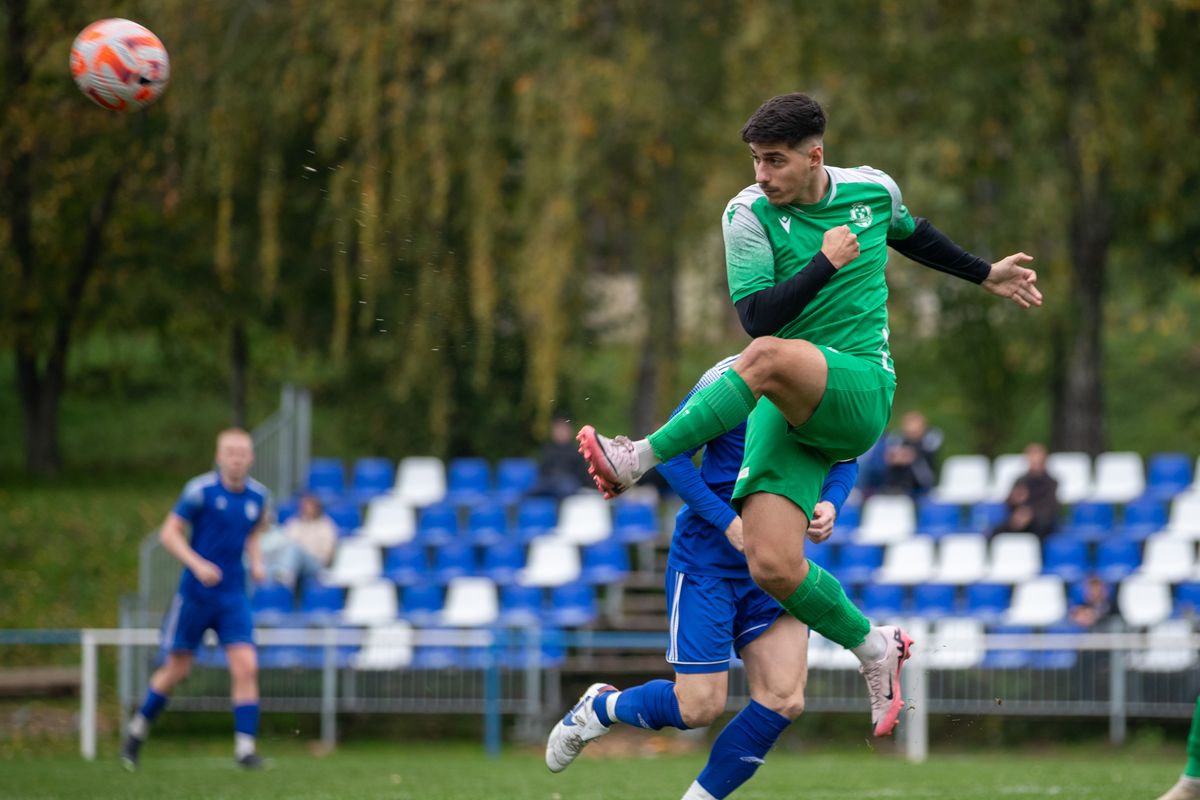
point(188, 618)
point(714, 610)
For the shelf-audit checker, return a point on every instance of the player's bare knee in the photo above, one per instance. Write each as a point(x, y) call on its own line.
point(757, 361)
point(773, 574)
point(789, 705)
point(700, 712)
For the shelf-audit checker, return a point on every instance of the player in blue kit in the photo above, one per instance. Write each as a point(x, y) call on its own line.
point(226, 509)
point(713, 605)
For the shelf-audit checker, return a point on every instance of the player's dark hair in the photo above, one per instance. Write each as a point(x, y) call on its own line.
point(789, 118)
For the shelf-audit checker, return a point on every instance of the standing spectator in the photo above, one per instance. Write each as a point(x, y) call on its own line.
point(1033, 501)
point(310, 538)
point(561, 473)
point(910, 457)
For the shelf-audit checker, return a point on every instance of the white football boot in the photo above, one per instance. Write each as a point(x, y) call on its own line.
point(883, 680)
point(576, 729)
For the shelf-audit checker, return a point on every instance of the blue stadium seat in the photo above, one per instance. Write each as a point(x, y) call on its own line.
point(605, 562)
point(346, 516)
point(520, 605)
point(1116, 558)
point(488, 524)
point(824, 554)
point(474, 658)
point(453, 560)
point(934, 601)
point(272, 603)
point(1065, 557)
point(536, 516)
point(988, 601)
point(326, 478)
point(1091, 522)
point(938, 519)
point(1187, 600)
point(883, 600)
point(437, 524)
point(634, 522)
point(858, 562)
point(986, 516)
point(1143, 518)
point(405, 564)
point(551, 653)
point(848, 519)
point(421, 603)
point(1058, 659)
point(320, 601)
point(286, 510)
point(1008, 659)
point(1168, 474)
point(372, 477)
point(468, 481)
point(503, 561)
point(281, 657)
point(435, 657)
point(572, 605)
point(515, 477)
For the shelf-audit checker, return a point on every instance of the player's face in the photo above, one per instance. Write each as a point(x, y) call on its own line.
point(785, 173)
point(235, 456)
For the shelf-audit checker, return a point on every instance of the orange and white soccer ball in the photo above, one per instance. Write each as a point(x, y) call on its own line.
point(119, 64)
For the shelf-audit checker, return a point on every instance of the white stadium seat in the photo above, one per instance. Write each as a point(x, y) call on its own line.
point(1015, 557)
point(1038, 602)
point(1166, 651)
point(584, 519)
point(1184, 520)
point(357, 561)
point(909, 562)
point(390, 521)
point(962, 559)
point(1120, 478)
point(1005, 471)
point(824, 654)
point(420, 481)
point(1168, 558)
point(956, 643)
point(886, 519)
point(964, 480)
point(372, 603)
point(1073, 471)
point(551, 562)
point(471, 603)
point(386, 647)
point(1144, 601)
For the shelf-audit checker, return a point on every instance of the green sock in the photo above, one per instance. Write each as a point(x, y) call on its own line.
point(821, 604)
point(1193, 745)
point(717, 408)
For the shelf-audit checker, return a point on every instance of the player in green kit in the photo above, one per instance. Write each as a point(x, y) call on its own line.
point(805, 251)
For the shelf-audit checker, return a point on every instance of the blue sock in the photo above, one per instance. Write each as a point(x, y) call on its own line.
point(652, 705)
point(740, 749)
point(153, 705)
point(245, 719)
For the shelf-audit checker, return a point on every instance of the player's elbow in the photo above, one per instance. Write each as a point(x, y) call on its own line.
point(753, 323)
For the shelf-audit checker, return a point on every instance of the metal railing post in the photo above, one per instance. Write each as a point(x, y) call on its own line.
point(1116, 697)
point(329, 690)
point(87, 710)
point(916, 722)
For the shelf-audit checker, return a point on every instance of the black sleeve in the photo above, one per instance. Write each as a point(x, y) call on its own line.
point(768, 310)
point(932, 248)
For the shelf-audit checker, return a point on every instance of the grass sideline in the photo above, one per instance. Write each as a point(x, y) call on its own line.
point(408, 771)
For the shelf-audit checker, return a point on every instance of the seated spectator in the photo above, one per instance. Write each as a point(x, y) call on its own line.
point(909, 456)
point(1033, 500)
point(310, 538)
point(561, 470)
point(1097, 609)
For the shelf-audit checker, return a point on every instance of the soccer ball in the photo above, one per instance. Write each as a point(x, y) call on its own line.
point(119, 64)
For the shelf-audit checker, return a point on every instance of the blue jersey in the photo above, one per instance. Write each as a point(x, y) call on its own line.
point(221, 522)
point(699, 545)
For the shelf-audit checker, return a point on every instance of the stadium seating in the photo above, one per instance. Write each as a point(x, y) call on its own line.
point(849, 518)
point(1039, 601)
point(453, 560)
point(605, 562)
point(986, 516)
point(988, 601)
point(1073, 471)
point(886, 519)
point(469, 481)
point(1015, 557)
point(1058, 659)
point(437, 525)
point(1091, 521)
point(908, 562)
point(883, 601)
point(421, 604)
point(356, 561)
point(1120, 478)
point(551, 562)
point(272, 604)
point(584, 519)
point(1168, 474)
point(634, 522)
point(1166, 649)
point(387, 646)
point(1184, 519)
point(1142, 519)
point(281, 657)
point(1008, 658)
point(572, 605)
point(536, 516)
point(955, 643)
point(520, 606)
point(934, 601)
point(470, 603)
point(435, 657)
point(1187, 600)
point(857, 563)
point(824, 554)
point(1065, 557)
point(371, 603)
point(964, 480)
point(405, 564)
point(326, 478)
point(1115, 559)
point(1168, 559)
point(421, 481)
point(1005, 471)
point(372, 477)
point(389, 521)
point(962, 559)
point(1144, 601)
point(320, 601)
point(938, 519)
point(286, 510)
point(346, 516)
point(503, 561)
point(514, 477)
point(488, 524)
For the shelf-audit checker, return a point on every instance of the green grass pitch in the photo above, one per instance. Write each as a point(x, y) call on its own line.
point(407, 771)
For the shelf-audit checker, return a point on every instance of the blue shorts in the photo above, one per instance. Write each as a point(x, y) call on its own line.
point(709, 616)
point(188, 618)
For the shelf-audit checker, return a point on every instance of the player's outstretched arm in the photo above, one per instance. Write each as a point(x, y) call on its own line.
point(1009, 279)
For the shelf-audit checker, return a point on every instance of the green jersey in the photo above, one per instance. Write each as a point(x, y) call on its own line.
point(765, 245)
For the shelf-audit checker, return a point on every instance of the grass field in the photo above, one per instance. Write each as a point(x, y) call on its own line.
point(407, 771)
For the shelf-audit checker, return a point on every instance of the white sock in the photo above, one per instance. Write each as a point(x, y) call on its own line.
point(610, 706)
point(697, 792)
point(645, 453)
point(873, 648)
point(139, 726)
point(1188, 779)
point(243, 745)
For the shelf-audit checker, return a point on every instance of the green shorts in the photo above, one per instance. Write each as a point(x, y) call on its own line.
point(793, 461)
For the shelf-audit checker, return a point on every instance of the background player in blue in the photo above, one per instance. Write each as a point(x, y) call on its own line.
point(226, 509)
point(713, 605)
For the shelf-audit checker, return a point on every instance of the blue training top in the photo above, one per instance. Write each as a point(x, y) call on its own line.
point(699, 546)
point(221, 521)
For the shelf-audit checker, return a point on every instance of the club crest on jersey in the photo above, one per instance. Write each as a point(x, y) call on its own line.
point(251, 509)
point(786, 222)
point(860, 215)
point(220, 503)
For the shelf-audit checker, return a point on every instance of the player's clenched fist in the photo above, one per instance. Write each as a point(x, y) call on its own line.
point(840, 246)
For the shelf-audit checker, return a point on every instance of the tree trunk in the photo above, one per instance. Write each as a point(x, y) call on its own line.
point(237, 377)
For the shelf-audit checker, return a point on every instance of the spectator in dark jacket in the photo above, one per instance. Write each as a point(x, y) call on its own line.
point(910, 457)
point(561, 472)
point(1033, 501)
